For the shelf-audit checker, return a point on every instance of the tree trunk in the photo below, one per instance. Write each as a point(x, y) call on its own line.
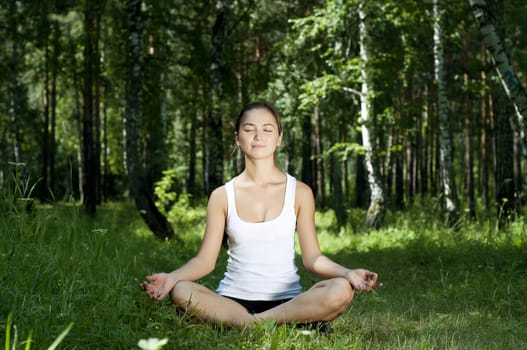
point(361, 185)
point(53, 104)
point(425, 144)
point(388, 174)
point(105, 170)
point(469, 161)
point(503, 111)
point(510, 83)
point(97, 117)
point(484, 140)
point(88, 137)
point(469, 153)
point(143, 197)
point(45, 127)
point(155, 155)
point(505, 199)
point(410, 169)
point(77, 116)
point(399, 182)
point(319, 164)
point(376, 208)
point(518, 180)
point(76, 120)
point(290, 146)
point(307, 151)
point(214, 148)
point(449, 192)
point(337, 195)
point(192, 160)
point(14, 88)
point(335, 172)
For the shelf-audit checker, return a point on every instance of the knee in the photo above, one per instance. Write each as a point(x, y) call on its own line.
point(180, 294)
point(341, 293)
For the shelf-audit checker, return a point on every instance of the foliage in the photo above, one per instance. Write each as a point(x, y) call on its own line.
point(176, 206)
point(301, 55)
point(441, 289)
point(17, 195)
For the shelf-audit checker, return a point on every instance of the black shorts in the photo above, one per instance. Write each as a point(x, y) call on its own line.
point(257, 306)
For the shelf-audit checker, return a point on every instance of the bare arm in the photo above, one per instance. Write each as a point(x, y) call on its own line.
point(160, 284)
point(312, 257)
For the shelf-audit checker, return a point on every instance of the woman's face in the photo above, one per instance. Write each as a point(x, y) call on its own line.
point(258, 135)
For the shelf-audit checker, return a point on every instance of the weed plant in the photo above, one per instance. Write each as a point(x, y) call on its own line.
point(443, 289)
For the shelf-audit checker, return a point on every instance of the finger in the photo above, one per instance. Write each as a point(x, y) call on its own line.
point(151, 278)
point(147, 287)
point(372, 276)
point(365, 286)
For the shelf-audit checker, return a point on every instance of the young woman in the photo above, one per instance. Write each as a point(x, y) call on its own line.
point(260, 209)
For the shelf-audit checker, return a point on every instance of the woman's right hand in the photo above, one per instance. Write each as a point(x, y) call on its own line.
point(158, 285)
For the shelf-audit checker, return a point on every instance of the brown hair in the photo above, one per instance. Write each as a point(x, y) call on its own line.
point(256, 105)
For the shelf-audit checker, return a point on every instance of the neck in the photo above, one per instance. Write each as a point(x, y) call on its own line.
point(261, 171)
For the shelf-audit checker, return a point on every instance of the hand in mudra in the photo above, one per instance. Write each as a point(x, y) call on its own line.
point(363, 280)
point(158, 286)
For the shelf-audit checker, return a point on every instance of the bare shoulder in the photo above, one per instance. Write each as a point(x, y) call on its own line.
point(218, 199)
point(219, 192)
point(303, 190)
point(304, 196)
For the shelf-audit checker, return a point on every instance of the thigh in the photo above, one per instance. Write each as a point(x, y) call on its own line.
point(185, 292)
point(323, 302)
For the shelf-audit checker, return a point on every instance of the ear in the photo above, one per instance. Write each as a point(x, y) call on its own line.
point(236, 139)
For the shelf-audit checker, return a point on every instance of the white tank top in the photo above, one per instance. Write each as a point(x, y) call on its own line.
point(261, 263)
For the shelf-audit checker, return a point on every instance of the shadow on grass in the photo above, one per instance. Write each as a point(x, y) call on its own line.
point(464, 295)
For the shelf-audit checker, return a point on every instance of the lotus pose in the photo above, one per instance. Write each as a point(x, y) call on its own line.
point(259, 210)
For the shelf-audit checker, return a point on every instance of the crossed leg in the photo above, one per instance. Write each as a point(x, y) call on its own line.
point(325, 301)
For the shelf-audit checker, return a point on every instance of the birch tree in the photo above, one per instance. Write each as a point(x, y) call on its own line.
point(500, 59)
point(376, 208)
point(448, 185)
point(15, 90)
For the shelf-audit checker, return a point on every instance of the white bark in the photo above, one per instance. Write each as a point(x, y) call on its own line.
point(447, 172)
point(499, 57)
point(376, 208)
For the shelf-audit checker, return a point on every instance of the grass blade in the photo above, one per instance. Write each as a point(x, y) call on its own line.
point(60, 337)
point(8, 330)
point(29, 340)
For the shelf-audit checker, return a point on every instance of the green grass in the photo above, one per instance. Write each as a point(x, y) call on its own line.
point(442, 289)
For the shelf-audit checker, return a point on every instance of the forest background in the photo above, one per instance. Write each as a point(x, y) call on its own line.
point(382, 103)
point(387, 106)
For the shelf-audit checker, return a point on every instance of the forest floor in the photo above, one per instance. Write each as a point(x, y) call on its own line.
point(443, 289)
